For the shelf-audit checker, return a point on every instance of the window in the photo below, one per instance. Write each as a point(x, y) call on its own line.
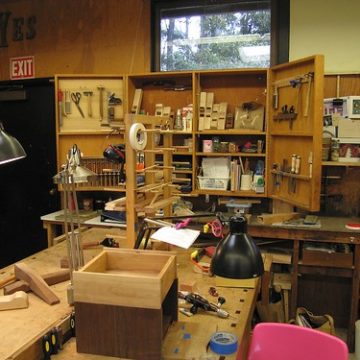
point(211, 34)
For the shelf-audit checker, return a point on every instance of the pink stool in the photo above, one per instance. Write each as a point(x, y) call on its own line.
point(278, 341)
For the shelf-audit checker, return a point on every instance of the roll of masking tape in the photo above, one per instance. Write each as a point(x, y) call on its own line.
point(223, 343)
point(138, 136)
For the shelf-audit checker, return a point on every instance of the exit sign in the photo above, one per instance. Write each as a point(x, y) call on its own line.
point(22, 67)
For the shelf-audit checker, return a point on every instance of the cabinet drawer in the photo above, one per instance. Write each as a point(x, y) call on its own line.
point(323, 258)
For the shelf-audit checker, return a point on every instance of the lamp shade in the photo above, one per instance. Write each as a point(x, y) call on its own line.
point(10, 148)
point(237, 256)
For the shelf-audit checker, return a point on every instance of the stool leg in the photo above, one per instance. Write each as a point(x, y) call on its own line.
point(286, 304)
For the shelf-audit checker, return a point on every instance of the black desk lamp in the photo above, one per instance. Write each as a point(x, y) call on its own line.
point(10, 148)
point(237, 256)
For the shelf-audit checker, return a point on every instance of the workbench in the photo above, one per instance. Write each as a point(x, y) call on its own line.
point(23, 329)
point(51, 222)
point(332, 230)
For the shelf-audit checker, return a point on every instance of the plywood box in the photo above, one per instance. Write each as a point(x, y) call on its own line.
point(124, 302)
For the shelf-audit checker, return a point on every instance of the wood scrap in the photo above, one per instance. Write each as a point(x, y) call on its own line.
point(19, 285)
point(160, 204)
point(18, 300)
point(64, 262)
point(156, 197)
point(50, 278)
point(116, 237)
point(8, 280)
point(268, 219)
point(113, 205)
point(149, 187)
point(139, 206)
point(36, 283)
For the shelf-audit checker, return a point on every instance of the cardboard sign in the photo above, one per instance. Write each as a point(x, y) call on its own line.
point(22, 68)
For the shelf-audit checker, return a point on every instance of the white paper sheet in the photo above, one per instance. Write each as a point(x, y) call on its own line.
point(183, 238)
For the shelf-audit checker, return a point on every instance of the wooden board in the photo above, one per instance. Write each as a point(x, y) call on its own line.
point(17, 300)
point(36, 282)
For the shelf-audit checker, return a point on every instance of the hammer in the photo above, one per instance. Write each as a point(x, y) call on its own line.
point(101, 104)
point(89, 94)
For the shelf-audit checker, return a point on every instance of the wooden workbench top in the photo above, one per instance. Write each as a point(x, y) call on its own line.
point(327, 223)
point(20, 328)
point(331, 229)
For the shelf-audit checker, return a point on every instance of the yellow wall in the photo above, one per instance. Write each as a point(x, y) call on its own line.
point(81, 36)
point(328, 27)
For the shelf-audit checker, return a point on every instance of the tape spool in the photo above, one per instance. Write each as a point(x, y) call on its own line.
point(223, 343)
point(138, 136)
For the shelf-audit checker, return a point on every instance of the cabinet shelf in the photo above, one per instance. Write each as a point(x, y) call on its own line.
point(185, 153)
point(230, 132)
point(175, 132)
point(340, 163)
point(292, 133)
point(242, 154)
point(98, 188)
point(229, 193)
point(86, 132)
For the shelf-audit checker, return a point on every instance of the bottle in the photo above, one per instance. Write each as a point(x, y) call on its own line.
point(178, 124)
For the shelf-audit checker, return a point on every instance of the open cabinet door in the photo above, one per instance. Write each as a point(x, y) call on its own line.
point(295, 121)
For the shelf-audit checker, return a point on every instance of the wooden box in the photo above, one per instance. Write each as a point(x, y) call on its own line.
point(124, 302)
point(323, 258)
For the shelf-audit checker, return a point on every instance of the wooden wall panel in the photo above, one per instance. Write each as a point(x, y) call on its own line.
point(342, 85)
point(82, 36)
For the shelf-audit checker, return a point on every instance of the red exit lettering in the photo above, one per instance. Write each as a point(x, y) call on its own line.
point(22, 68)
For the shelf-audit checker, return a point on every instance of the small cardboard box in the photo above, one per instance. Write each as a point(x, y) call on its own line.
point(124, 302)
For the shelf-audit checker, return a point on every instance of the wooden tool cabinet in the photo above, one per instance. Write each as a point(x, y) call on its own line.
point(91, 133)
point(280, 138)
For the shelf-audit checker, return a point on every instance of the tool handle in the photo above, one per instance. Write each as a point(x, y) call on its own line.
point(297, 164)
point(101, 105)
point(307, 99)
point(293, 162)
point(67, 102)
point(89, 105)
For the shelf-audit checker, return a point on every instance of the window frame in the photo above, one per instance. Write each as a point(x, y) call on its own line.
point(279, 32)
